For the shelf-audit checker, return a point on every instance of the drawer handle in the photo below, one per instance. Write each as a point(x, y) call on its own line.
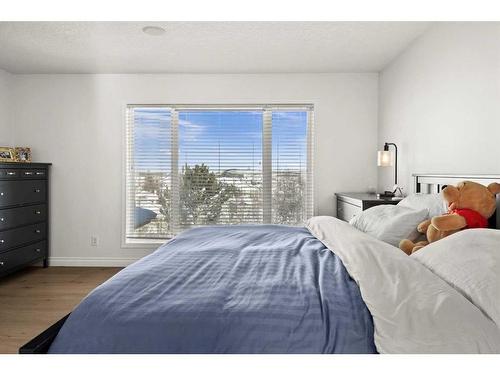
point(2, 193)
point(28, 173)
point(11, 173)
point(38, 250)
point(37, 190)
point(40, 173)
point(2, 219)
point(2, 241)
point(38, 212)
point(38, 231)
point(1, 263)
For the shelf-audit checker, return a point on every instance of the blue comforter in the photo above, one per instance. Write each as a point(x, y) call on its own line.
point(230, 289)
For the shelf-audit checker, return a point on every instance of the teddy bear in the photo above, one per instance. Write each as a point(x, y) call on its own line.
point(470, 205)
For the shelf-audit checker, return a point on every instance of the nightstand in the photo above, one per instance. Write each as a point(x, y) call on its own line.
point(351, 204)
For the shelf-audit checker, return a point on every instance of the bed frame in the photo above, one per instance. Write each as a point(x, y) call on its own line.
point(423, 183)
point(41, 343)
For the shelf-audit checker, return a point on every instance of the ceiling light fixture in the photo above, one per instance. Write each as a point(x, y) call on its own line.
point(153, 30)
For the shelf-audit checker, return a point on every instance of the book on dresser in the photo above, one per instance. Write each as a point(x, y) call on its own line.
point(24, 215)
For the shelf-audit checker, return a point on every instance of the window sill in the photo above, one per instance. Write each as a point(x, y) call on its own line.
point(144, 244)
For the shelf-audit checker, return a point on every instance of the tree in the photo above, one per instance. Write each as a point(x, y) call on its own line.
point(288, 198)
point(164, 198)
point(202, 195)
point(152, 183)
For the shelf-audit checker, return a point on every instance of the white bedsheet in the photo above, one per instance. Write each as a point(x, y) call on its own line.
point(414, 311)
point(470, 262)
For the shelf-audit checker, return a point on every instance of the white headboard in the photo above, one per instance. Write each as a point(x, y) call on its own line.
point(434, 183)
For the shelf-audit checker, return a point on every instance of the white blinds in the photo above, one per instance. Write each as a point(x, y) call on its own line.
point(190, 166)
point(149, 172)
point(291, 170)
point(220, 155)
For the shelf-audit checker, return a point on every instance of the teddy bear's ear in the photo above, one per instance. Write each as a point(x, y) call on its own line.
point(494, 188)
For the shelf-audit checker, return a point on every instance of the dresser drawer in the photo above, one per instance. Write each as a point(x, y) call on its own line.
point(25, 173)
point(19, 236)
point(22, 192)
point(346, 211)
point(15, 217)
point(10, 260)
point(39, 174)
point(9, 173)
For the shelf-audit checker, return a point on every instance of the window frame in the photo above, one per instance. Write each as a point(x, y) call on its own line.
point(266, 108)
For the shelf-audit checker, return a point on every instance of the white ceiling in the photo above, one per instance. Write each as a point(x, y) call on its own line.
point(203, 47)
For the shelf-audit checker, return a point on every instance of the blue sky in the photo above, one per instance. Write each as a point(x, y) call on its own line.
point(221, 139)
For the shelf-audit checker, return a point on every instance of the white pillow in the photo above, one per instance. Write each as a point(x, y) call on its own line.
point(390, 223)
point(469, 261)
point(433, 202)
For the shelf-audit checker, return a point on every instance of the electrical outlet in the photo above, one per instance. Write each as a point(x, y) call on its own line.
point(94, 240)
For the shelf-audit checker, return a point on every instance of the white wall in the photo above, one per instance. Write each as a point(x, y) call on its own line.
point(5, 126)
point(77, 123)
point(440, 102)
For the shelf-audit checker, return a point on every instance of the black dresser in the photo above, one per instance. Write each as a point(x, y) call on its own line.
point(24, 214)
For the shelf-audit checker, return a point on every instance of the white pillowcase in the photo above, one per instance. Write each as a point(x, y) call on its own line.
point(470, 262)
point(435, 203)
point(390, 223)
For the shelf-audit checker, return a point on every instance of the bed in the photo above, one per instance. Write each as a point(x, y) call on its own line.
point(324, 288)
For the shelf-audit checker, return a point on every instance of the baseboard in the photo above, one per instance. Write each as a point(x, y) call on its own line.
point(90, 262)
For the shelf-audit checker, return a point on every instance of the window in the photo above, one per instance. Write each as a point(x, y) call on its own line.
point(192, 166)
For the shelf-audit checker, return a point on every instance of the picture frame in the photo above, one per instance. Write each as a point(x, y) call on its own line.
point(23, 154)
point(8, 154)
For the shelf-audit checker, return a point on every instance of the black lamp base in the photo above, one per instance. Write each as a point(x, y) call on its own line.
point(396, 192)
point(385, 194)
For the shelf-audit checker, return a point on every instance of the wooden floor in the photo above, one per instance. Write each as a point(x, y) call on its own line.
point(33, 299)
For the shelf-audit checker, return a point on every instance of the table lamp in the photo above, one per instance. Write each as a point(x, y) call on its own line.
point(385, 159)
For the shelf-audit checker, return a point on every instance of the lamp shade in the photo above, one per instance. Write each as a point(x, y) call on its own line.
point(385, 159)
